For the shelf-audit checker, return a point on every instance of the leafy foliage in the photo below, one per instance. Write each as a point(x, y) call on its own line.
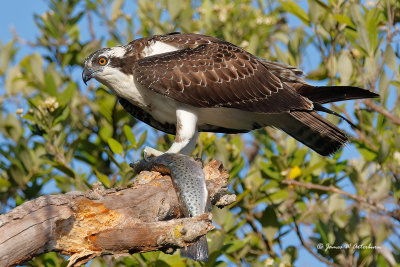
point(64, 136)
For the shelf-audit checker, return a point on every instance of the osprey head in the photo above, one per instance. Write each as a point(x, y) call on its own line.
point(102, 64)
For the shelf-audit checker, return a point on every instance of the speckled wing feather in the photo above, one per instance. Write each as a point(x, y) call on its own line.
point(208, 72)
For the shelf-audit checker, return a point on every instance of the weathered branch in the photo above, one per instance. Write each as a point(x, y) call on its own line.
point(376, 206)
point(395, 119)
point(141, 218)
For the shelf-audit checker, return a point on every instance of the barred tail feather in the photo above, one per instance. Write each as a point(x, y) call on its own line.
point(198, 251)
point(313, 130)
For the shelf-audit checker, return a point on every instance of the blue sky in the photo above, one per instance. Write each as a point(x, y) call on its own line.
point(19, 15)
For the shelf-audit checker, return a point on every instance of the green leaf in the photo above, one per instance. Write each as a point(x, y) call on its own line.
point(103, 178)
point(345, 67)
point(115, 146)
point(367, 153)
point(129, 135)
point(282, 57)
point(372, 22)
point(50, 259)
point(106, 103)
point(322, 230)
point(296, 10)
point(299, 156)
point(142, 139)
point(344, 19)
point(11, 127)
point(7, 53)
point(383, 152)
point(315, 11)
point(66, 96)
point(61, 116)
point(332, 65)
point(314, 169)
point(50, 84)
point(235, 245)
point(270, 172)
point(269, 222)
point(4, 185)
point(390, 58)
point(36, 64)
point(395, 83)
point(25, 157)
point(253, 43)
point(65, 169)
point(279, 196)
point(383, 86)
point(237, 168)
point(15, 84)
point(254, 180)
point(336, 203)
point(116, 9)
point(106, 130)
point(174, 7)
point(290, 253)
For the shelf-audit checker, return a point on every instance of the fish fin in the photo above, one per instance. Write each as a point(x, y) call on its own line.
point(198, 251)
point(208, 205)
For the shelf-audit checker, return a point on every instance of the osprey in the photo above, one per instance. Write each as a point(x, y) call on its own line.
point(183, 84)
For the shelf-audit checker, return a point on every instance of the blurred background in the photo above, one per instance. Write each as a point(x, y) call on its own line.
point(58, 135)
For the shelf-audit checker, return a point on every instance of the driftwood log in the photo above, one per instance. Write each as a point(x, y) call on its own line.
point(143, 217)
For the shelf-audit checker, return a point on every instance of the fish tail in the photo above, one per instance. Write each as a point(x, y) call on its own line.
point(198, 251)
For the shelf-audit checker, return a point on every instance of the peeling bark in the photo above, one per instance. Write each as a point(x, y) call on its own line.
point(144, 217)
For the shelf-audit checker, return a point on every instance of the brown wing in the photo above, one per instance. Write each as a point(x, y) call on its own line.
point(217, 74)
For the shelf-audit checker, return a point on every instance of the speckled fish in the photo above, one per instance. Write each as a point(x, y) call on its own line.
point(190, 186)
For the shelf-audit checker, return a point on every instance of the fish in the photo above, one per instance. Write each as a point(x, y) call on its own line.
point(190, 186)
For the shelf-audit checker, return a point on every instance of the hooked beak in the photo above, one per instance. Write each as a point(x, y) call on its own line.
point(87, 75)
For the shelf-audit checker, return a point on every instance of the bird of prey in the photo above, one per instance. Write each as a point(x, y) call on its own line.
point(183, 84)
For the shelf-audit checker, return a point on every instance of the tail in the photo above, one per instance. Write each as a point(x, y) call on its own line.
point(198, 251)
point(328, 94)
point(312, 130)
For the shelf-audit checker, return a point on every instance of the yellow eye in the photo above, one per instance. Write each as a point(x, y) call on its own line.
point(102, 61)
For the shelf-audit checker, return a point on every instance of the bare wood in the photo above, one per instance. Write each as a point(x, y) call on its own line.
point(141, 218)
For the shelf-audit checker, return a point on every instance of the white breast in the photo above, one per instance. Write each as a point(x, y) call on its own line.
point(160, 107)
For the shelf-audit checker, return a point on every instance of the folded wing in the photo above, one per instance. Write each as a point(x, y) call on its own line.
point(218, 74)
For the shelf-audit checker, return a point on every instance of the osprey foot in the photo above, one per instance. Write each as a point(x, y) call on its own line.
point(150, 152)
